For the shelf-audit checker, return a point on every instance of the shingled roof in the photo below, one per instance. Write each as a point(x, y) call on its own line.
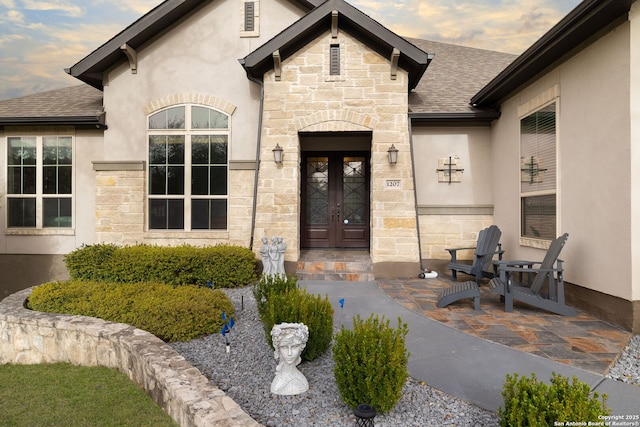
point(455, 75)
point(75, 105)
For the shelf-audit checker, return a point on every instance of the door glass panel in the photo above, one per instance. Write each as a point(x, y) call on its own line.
point(354, 190)
point(317, 190)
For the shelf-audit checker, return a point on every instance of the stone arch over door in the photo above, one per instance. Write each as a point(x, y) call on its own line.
point(335, 121)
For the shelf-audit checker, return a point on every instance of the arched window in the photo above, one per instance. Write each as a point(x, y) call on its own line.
point(188, 168)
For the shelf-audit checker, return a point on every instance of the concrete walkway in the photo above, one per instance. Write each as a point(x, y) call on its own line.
point(457, 363)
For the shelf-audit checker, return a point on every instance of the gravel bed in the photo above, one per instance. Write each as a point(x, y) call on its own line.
point(246, 371)
point(627, 367)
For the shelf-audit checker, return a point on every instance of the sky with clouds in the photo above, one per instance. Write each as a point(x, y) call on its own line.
point(39, 38)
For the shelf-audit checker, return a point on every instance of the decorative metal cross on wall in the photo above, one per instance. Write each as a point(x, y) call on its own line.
point(532, 172)
point(449, 170)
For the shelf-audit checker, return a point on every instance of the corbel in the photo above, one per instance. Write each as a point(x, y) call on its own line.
point(277, 65)
point(132, 56)
point(334, 24)
point(395, 56)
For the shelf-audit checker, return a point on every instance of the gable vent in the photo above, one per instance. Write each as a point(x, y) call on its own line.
point(249, 16)
point(334, 60)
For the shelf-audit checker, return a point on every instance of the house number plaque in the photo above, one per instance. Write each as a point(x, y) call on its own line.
point(394, 183)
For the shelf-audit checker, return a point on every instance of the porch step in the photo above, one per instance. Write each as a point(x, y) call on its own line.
point(333, 265)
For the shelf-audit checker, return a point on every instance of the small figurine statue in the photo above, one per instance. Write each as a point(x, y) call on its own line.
point(281, 246)
point(273, 256)
point(289, 340)
point(267, 268)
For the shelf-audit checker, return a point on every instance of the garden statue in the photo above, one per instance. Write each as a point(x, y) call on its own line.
point(273, 256)
point(289, 340)
point(266, 261)
point(281, 246)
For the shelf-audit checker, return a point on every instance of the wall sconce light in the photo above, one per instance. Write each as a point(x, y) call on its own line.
point(393, 154)
point(277, 154)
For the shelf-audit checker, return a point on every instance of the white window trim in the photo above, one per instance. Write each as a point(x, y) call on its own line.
point(551, 95)
point(187, 231)
point(38, 230)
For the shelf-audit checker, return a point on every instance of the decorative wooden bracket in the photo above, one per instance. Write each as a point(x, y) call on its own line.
point(277, 65)
point(132, 56)
point(395, 56)
point(334, 24)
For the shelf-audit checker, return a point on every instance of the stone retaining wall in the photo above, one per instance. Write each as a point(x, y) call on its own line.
point(29, 337)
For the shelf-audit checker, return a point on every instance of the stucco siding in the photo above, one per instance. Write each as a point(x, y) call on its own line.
point(451, 214)
point(634, 97)
point(87, 144)
point(593, 152)
point(199, 55)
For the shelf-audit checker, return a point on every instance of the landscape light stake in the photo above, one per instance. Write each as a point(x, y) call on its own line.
point(226, 328)
point(364, 415)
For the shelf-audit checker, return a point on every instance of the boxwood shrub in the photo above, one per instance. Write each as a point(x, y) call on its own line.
point(530, 402)
point(371, 363)
point(170, 313)
point(224, 266)
point(279, 300)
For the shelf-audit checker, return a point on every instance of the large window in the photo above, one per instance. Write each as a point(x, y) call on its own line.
point(188, 168)
point(39, 182)
point(538, 174)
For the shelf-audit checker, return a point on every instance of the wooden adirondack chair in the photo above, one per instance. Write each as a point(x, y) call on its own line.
point(488, 245)
point(550, 268)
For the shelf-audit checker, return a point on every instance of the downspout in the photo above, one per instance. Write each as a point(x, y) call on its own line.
point(415, 193)
point(257, 167)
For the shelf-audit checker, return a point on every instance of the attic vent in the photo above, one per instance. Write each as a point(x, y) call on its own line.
point(334, 60)
point(249, 16)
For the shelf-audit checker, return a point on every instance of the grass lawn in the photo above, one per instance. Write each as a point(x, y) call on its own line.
point(66, 395)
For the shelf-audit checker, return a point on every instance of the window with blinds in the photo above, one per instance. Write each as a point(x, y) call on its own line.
point(334, 60)
point(538, 173)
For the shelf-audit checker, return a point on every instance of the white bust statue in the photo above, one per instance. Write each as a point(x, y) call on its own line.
point(289, 339)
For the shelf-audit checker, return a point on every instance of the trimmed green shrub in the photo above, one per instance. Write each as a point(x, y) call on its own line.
point(170, 313)
point(371, 363)
point(225, 266)
point(529, 402)
point(280, 300)
point(272, 284)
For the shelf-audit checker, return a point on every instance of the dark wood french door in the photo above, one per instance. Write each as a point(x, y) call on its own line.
point(335, 200)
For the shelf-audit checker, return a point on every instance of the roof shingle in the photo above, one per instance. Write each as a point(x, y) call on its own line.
point(454, 76)
point(75, 104)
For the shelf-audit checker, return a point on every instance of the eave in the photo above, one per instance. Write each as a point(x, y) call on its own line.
point(583, 22)
point(92, 67)
point(350, 20)
point(98, 121)
point(474, 118)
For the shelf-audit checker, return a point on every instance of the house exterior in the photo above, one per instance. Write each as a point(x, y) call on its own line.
point(172, 138)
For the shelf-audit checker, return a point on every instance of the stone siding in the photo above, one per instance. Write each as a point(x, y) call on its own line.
point(29, 337)
point(120, 206)
point(363, 97)
point(121, 213)
point(438, 232)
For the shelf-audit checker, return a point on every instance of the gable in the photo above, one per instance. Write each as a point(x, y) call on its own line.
point(159, 20)
point(334, 15)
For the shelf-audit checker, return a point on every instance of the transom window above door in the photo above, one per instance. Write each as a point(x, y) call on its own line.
point(188, 168)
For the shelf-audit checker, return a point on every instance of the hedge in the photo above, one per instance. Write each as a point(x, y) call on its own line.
point(223, 266)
